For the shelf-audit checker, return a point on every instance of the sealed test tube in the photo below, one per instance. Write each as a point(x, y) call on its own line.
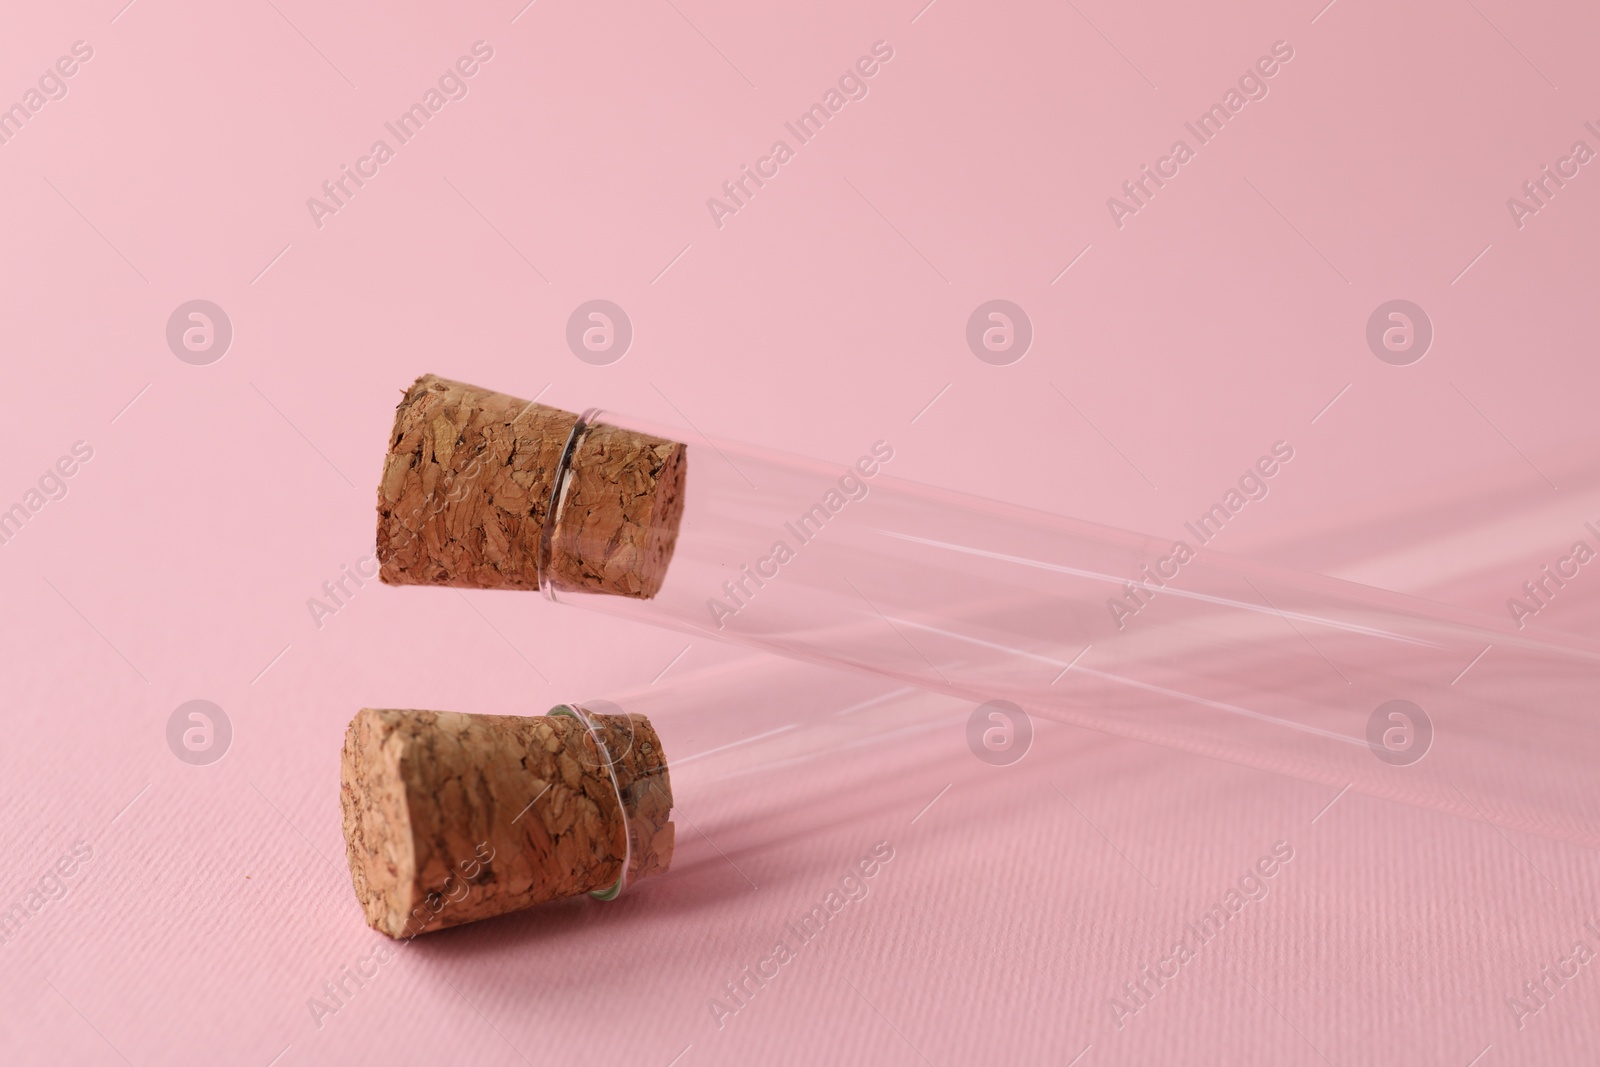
point(1157, 638)
point(450, 818)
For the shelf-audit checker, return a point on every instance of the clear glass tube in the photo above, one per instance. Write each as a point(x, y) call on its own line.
point(760, 716)
point(739, 745)
point(1158, 639)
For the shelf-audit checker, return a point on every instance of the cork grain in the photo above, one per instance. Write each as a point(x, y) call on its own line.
point(466, 484)
point(619, 518)
point(466, 489)
point(451, 818)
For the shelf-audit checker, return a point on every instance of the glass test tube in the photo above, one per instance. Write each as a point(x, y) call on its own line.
point(452, 818)
point(1159, 639)
point(738, 742)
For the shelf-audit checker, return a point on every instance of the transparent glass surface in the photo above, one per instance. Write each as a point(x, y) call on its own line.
point(1161, 640)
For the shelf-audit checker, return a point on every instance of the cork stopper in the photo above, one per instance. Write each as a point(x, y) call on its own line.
point(471, 478)
point(451, 818)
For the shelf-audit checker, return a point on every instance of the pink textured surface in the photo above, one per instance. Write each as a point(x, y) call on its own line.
point(1227, 313)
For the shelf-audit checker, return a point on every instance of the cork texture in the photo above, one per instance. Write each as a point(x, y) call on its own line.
point(466, 489)
point(452, 818)
point(619, 518)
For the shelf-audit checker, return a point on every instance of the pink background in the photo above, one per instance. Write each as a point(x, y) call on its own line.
point(829, 312)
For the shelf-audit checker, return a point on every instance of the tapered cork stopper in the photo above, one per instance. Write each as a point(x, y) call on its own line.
point(468, 484)
point(451, 818)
